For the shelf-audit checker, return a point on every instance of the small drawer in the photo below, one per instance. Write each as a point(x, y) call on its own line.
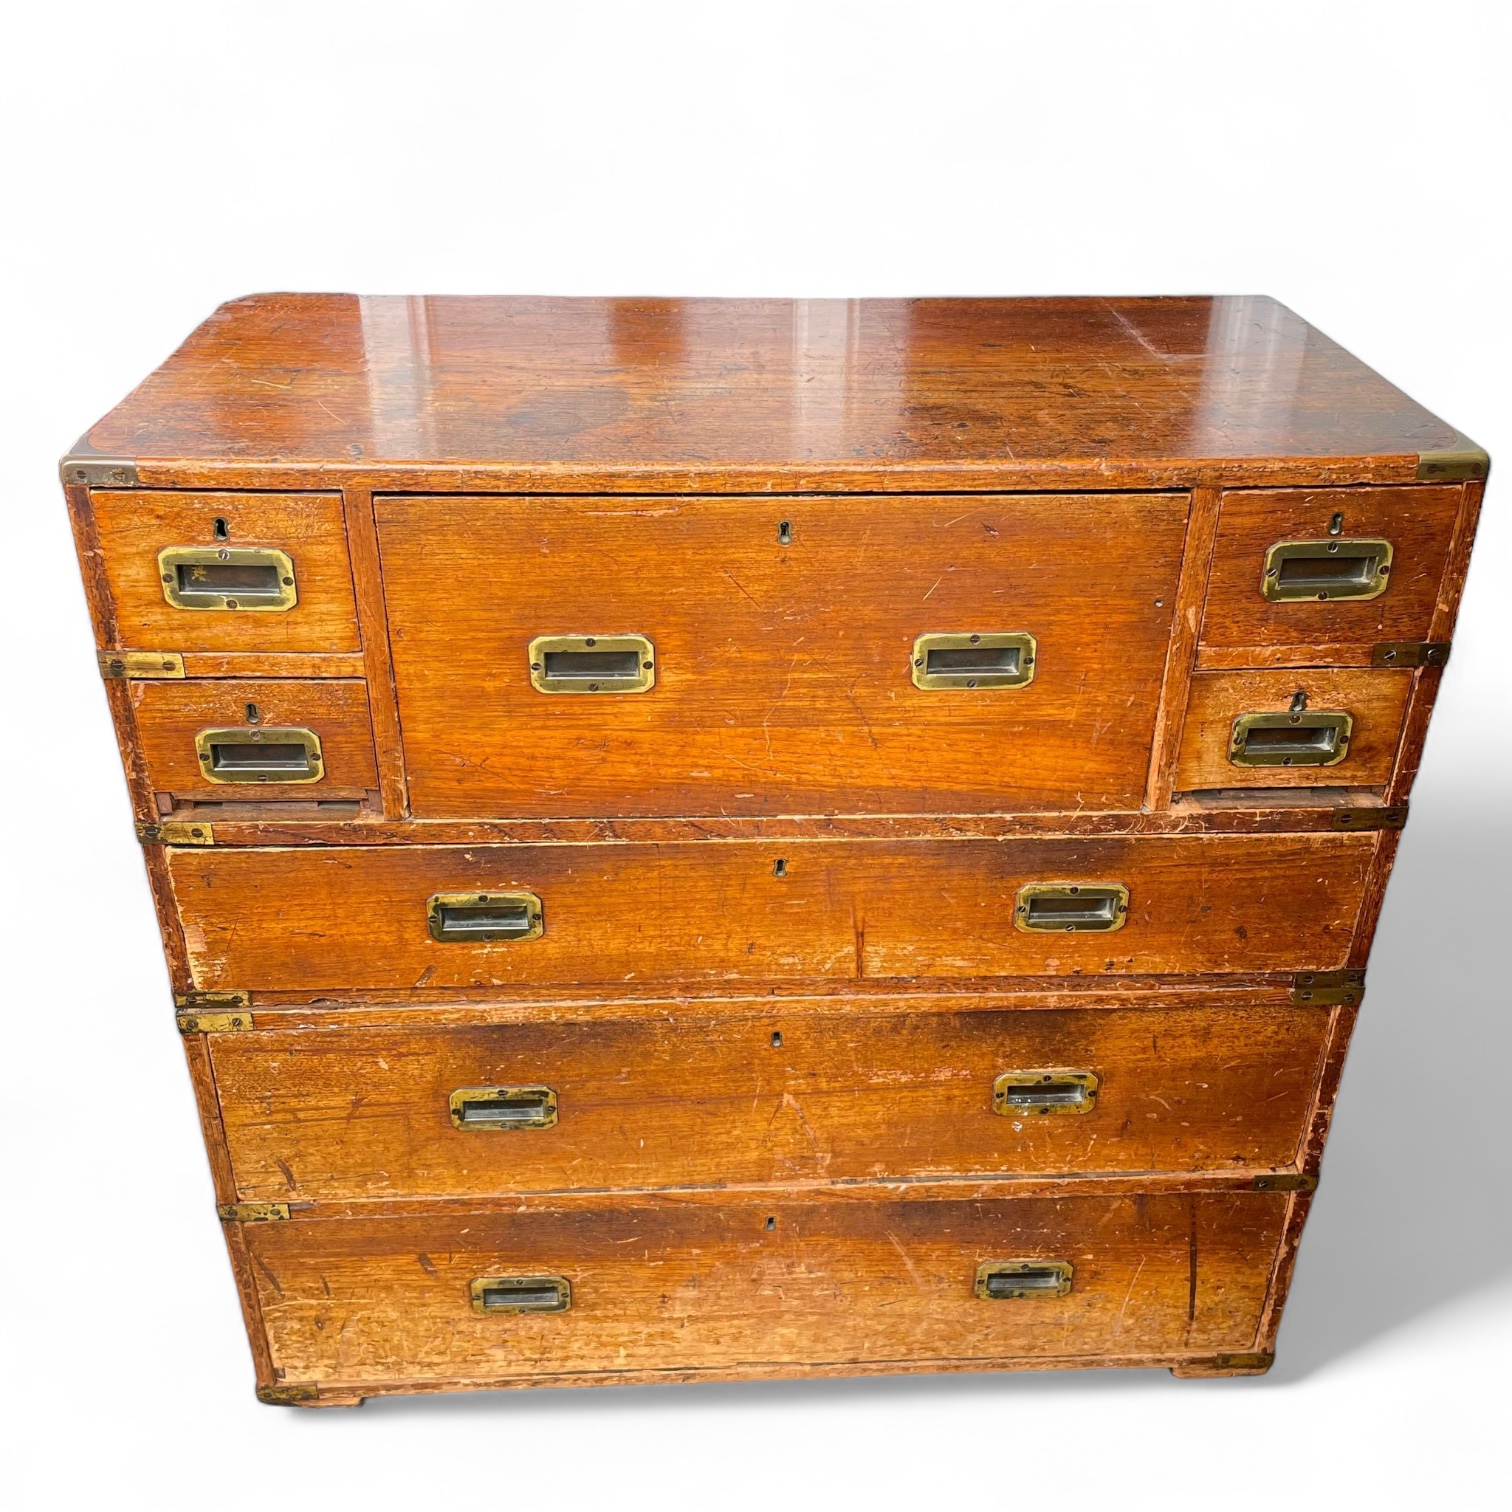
point(486, 1110)
point(554, 1289)
point(227, 571)
point(250, 739)
point(629, 915)
point(1324, 575)
point(1313, 727)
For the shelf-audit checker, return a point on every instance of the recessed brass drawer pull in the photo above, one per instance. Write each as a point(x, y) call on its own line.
point(521, 1294)
point(503, 1107)
point(985, 660)
point(246, 578)
point(1334, 569)
point(1018, 1280)
point(1318, 738)
point(264, 754)
point(484, 918)
point(1071, 906)
point(592, 664)
point(1024, 1092)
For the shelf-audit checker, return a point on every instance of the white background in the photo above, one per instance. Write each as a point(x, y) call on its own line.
point(1352, 160)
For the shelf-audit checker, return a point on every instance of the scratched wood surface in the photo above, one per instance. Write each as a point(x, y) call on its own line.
point(312, 1116)
point(1419, 523)
point(750, 395)
point(340, 918)
point(170, 714)
point(1377, 700)
point(683, 1286)
point(135, 525)
point(783, 671)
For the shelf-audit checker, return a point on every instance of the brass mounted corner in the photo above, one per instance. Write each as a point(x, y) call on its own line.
point(252, 1212)
point(93, 470)
point(1324, 989)
point(287, 1396)
point(1460, 463)
point(140, 664)
point(1285, 1181)
point(1361, 820)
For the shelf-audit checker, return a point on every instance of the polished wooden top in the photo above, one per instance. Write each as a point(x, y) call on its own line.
point(750, 395)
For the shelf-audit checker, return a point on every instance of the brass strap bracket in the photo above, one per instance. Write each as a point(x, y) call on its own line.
point(212, 1012)
point(141, 664)
point(175, 832)
point(213, 1023)
point(1389, 817)
point(252, 1212)
point(1285, 1181)
point(213, 1001)
point(1326, 988)
point(1409, 654)
point(1454, 464)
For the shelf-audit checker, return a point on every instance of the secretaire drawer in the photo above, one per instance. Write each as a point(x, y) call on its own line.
point(1337, 727)
point(1318, 576)
point(675, 656)
point(547, 1291)
point(227, 571)
point(239, 739)
point(399, 917)
point(377, 1112)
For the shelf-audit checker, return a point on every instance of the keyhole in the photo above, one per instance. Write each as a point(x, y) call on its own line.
point(785, 533)
point(771, 1223)
point(221, 531)
point(254, 714)
point(1298, 702)
point(1336, 525)
point(779, 868)
point(777, 1039)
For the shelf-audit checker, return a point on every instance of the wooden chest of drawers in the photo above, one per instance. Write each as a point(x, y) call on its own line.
point(701, 839)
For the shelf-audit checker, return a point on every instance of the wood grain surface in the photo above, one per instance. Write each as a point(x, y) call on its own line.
point(135, 525)
point(666, 1286)
point(312, 1116)
point(783, 672)
point(1377, 700)
point(1419, 523)
point(170, 714)
point(340, 918)
point(750, 395)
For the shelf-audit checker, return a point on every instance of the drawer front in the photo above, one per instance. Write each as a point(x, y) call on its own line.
point(783, 637)
point(1417, 524)
point(688, 1286)
point(626, 915)
point(1300, 742)
point(268, 538)
point(234, 740)
point(377, 1113)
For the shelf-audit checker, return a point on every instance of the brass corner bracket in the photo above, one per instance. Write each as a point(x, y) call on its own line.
point(1459, 463)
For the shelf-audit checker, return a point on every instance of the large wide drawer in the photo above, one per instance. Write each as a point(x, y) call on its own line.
point(368, 917)
point(633, 1287)
point(313, 1115)
point(781, 668)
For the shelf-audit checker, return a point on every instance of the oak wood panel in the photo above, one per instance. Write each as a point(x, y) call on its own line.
point(1376, 698)
point(694, 1100)
point(701, 1286)
point(783, 681)
point(1419, 523)
point(763, 394)
point(171, 713)
point(349, 918)
point(134, 525)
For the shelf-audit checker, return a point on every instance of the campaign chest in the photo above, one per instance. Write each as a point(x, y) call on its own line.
point(701, 839)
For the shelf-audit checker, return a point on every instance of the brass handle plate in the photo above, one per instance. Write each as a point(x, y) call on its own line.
point(1023, 1280)
point(261, 753)
point(1078, 907)
point(483, 918)
point(503, 1107)
point(592, 664)
point(1315, 739)
point(1016, 1093)
point(987, 659)
point(248, 579)
point(1326, 569)
point(521, 1294)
